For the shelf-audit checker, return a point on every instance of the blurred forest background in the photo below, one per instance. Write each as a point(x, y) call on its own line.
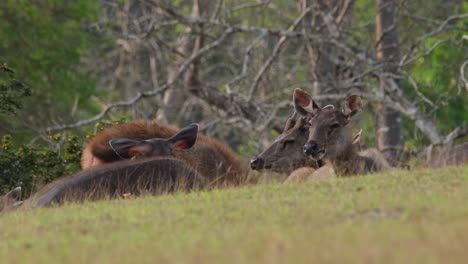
point(71, 67)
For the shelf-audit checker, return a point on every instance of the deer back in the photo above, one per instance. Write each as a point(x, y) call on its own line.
point(154, 175)
point(212, 158)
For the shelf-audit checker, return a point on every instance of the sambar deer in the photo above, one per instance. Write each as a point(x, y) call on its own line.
point(330, 136)
point(155, 171)
point(131, 177)
point(211, 158)
point(285, 154)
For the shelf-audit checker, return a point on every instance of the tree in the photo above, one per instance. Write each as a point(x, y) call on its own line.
point(12, 91)
point(389, 137)
point(254, 53)
point(44, 41)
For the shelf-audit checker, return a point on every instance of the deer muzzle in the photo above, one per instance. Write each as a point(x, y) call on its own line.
point(257, 164)
point(314, 150)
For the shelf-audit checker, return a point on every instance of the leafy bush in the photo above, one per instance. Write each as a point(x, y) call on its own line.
point(32, 167)
point(11, 91)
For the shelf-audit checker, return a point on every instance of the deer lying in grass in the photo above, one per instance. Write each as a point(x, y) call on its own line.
point(154, 175)
point(211, 158)
point(286, 155)
point(330, 137)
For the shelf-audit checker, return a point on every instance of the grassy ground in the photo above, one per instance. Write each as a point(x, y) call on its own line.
point(414, 217)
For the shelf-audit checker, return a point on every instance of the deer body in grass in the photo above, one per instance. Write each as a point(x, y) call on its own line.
point(285, 154)
point(211, 158)
point(155, 171)
point(110, 181)
point(330, 137)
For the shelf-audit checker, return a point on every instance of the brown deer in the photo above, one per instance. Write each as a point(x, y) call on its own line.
point(211, 158)
point(131, 177)
point(161, 172)
point(330, 136)
point(285, 154)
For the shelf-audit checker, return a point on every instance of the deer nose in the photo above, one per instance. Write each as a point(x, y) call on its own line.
point(311, 148)
point(256, 164)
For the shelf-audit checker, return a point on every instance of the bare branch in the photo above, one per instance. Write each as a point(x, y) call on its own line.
point(155, 92)
point(456, 133)
point(275, 53)
point(463, 81)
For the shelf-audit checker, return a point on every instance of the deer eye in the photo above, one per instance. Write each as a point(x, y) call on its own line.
point(287, 142)
point(333, 127)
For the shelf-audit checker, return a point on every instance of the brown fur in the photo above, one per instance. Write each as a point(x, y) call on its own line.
point(306, 173)
point(300, 175)
point(330, 138)
point(285, 154)
point(154, 175)
point(209, 156)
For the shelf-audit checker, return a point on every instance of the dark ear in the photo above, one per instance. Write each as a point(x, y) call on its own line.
point(357, 141)
point(353, 105)
point(14, 194)
point(128, 148)
point(303, 103)
point(186, 137)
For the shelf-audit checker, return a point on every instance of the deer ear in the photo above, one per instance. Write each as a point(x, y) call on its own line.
point(185, 138)
point(128, 148)
point(303, 103)
point(14, 194)
point(357, 141)
point(353, 105)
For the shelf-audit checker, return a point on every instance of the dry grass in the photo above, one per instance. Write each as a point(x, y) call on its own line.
point(415, 217)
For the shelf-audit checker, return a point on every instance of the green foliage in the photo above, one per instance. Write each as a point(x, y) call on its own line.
point(436, 76)
point(11, 91)
point(44, 41)
point(435, 73)
point(32, 167)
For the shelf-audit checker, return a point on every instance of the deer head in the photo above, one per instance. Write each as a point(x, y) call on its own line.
point(329, 135)
point(285, 153)
point(128, 148)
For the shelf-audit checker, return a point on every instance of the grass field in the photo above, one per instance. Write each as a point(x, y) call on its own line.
point(419, 216)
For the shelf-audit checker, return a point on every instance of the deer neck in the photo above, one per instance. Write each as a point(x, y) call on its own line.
point(347, 163)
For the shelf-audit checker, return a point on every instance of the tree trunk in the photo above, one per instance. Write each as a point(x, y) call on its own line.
point(389, 135)
point(191, 41)
point(327, 18)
